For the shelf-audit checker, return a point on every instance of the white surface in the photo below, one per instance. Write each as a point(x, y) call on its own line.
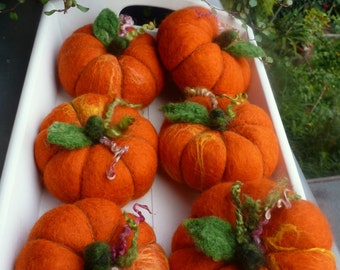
point(23, 200)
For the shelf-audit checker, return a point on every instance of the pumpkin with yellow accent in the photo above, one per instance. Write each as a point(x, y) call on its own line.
point(92, 147)
point(206, 140)
point(258, 225)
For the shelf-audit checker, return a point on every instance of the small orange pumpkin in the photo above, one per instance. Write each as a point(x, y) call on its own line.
point(86, 65)
point(72, 173)
point(91, 232)
point(285, 235)
point(197, 55)
point(199, 151)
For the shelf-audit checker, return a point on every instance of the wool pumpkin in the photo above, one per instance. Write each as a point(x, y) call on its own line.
point(201, 145)
point(71, 172)
point(196, 54)
point(88, 64)
point(281, 232)
point(79, 236)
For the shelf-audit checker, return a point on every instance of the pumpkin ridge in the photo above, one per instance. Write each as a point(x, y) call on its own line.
point(152, 74)
point(227, 167)
point(269, 158)
point(159, 81)
point(221, 74)
point(190, 54)
point(132, 95)
point(138, 144)
point(86, 216)
point(60, 244)
point(193, 138)
point(139, 138)
point(113, 91)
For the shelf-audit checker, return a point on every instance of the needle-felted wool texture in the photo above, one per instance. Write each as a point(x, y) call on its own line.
point(217, 200)
point(200, 154)
point(81, 172)
point(291, 233)
point(59, 238)
point(299, 237)
point(186, 46)
point(86, 65)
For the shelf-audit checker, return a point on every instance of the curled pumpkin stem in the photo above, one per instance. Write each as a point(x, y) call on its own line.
point(191, 92)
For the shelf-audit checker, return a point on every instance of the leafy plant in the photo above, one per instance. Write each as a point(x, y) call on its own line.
point(310, 107)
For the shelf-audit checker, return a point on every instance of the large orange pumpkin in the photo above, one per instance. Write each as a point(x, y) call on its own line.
point(86, 65)
point(201, 154)
point(71, 236)
point(71, 174)
point(190, 48)
point(287, 233)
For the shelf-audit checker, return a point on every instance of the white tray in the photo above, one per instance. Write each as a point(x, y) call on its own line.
point(22, 198)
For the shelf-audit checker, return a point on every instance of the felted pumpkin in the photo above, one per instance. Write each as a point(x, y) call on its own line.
point(100, 58)
point(245, 228)
point(92, 147)
point(91, 234)
point(196, 54)
point(202, 144)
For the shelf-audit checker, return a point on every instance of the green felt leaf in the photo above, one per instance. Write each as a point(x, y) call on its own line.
point(67, 135)
point(106, 26)
point(245, 49)
point(214, 236)
point(186, 112)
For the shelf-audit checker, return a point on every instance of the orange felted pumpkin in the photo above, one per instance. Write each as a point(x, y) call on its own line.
point(90, 147)
point(91, 234)
point(99, 58)
point(241, 227)
point(201, 146)
point(197, 55)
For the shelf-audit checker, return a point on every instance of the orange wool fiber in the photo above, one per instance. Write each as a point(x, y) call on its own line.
point(186, 49)
point(171, 137)
point(72, 61)
point(303, 226)
point(143, 49)
point(102, 75)
point(70, 175)
point(151, 257)
point(234, 71)
point(137, 87)
point(86, 66)
point(58, 238)
point(175, 45)
point(308, 259)
point(197, 71)
point(192, 258)
point(201, 157)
